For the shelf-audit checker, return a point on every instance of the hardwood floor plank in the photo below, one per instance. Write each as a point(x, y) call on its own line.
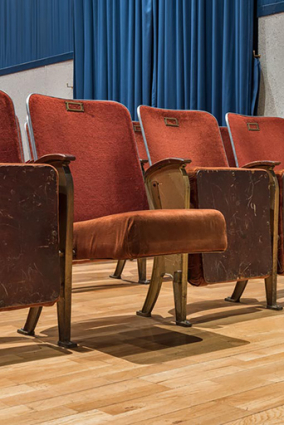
point(227, 368)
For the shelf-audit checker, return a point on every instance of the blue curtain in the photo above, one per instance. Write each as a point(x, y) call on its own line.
point(269, 7)
point(180, 54)
point(34, 29)
point(113, 51)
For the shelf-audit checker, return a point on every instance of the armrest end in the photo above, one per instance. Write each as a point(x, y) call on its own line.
point(56, 158)
point(174, 163)
point(268, 165)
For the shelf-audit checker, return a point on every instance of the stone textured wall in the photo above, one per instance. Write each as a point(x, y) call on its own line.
point(271, 49)
point(51, 80)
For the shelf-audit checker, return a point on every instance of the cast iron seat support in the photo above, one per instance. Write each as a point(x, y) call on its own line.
point(66, 211)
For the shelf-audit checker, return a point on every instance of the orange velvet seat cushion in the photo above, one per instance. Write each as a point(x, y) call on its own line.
point(150, 233)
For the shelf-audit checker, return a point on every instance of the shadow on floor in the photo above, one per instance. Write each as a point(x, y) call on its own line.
point(247, 309)
point(144, 340)
point(32, 350)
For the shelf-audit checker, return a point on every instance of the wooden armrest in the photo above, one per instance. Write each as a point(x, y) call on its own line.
point(168, 162)
point(269, 165)
point(66, 199)
point(58, 158)
point(168, 184)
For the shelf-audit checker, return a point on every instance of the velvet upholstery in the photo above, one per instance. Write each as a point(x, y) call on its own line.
point(227, 145)
point(99, 137)
point(149, 233)
point(20, 139)
point(257, 145)
point(9, 134)
point(187, 140)
point(112, 217)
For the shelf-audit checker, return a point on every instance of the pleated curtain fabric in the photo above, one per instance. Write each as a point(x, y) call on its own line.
point(113, 49)
point(179, 54)
point(34, 29)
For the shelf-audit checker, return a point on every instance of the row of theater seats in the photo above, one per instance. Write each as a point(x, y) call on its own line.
point(249, 143)
point(111, 211)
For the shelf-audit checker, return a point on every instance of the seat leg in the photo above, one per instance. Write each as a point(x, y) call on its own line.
point(64, 301)
point(66, 205)
point(142, 263)
point(119, 269)
point(271, 293)
point(180, 297)
point(154, 288)
point(238, 292)
point(64, 305)
point(31, 322)
point(271, 281)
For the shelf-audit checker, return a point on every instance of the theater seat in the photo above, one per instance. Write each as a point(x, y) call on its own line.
point(261, 139)
point(256, 137)
point(111, 211)
point(242, 195)
point(29, 243)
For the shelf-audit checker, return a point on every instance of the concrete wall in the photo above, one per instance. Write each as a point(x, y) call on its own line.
point(271, 49)
point(51, 80)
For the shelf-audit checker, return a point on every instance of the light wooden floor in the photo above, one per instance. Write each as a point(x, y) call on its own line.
point(227, 369)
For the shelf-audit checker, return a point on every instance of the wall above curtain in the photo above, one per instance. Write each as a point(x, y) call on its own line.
point(32, 30)
point(180, 54)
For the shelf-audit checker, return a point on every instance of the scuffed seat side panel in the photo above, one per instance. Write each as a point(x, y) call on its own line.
point(29, 251)
point(261, 139)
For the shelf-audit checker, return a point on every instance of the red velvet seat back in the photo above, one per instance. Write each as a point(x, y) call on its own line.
point(139, 140)
point(107, 174)
point(228, 146)
point(9, 133)
point(191, 135)
point(257, 138)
